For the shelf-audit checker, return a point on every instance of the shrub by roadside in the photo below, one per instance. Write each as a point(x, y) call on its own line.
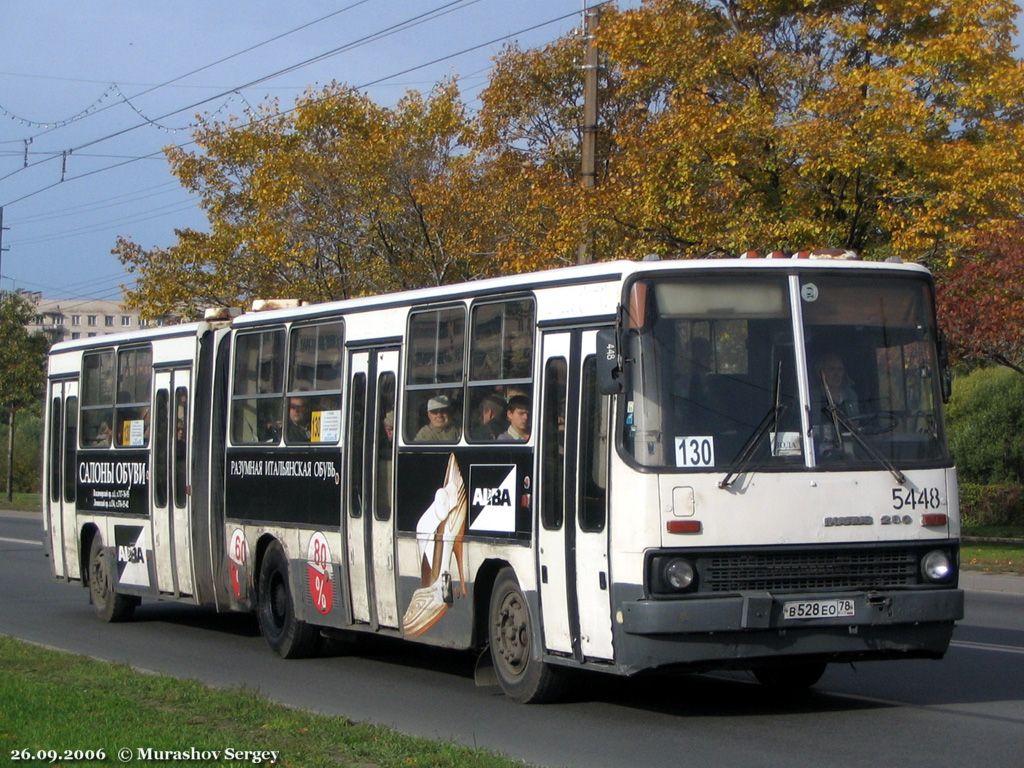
point(998, 504)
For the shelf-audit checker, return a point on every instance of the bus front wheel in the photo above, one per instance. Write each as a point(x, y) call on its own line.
point(109, 605)
point(522, 676)
point(289, 637)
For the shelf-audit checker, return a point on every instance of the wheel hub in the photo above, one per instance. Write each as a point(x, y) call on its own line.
point(513, 633)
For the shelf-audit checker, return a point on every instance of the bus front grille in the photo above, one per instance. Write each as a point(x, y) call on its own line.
point(807, 570)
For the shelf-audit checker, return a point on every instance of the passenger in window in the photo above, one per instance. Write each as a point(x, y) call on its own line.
point(439, 427)
point(102, 435)
point(297, 429)
point(518, 415)
point(492, 422)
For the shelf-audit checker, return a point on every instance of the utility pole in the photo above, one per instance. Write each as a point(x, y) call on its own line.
point(588, 169)
point(10, 412)
point(2, 249)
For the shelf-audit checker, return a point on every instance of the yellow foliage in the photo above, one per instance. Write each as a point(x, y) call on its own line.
point(888, 127)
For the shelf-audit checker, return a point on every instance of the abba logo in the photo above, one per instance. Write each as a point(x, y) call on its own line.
point(130, 555)
point(492, 497)
point(130, 543)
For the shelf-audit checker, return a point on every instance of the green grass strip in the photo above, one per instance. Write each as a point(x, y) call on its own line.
point(57, 701)
point(992, 558)
point(21, 502)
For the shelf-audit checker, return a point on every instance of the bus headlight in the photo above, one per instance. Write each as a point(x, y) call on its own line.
point(937, 566)
point(679, 574)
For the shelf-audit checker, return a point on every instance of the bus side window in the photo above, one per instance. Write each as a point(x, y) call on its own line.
point(593, 451)
point(97, 399)
point(256, 399)
point(356, 443)
point(314, 383)
point(54, 457)
point(70, 444)
point(385, 437)
point(131, 411)
point(501, 366)
point(180, 456)
point(160, 451)
point(553, 465)
point(434, 375)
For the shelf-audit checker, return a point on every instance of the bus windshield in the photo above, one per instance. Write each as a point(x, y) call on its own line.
point(722, 373)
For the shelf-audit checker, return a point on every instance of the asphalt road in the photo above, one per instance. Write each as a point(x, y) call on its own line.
point(967, 709)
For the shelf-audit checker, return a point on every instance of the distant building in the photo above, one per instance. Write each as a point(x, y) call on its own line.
point(67, 319)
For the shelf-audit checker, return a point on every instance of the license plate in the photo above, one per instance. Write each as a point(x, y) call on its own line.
point(818, 609)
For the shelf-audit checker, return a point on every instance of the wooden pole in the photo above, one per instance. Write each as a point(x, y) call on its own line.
point(588, 169)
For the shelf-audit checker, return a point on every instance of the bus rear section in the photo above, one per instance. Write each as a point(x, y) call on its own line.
point(121, 456)
point(770, 511)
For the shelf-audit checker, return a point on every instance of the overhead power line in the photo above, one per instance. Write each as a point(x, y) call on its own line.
point(367, 84)
point(203, 68)
point(407, 23)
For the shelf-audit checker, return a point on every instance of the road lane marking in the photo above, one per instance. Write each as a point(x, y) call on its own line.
point(21, 541)
point(987, 647)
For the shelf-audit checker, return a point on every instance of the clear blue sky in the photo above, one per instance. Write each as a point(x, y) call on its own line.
point(60, 58)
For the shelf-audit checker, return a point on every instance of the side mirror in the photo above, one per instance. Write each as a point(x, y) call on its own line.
point(945, 370)
point(609, 362)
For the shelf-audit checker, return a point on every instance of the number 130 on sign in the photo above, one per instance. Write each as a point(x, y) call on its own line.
point(695, 451)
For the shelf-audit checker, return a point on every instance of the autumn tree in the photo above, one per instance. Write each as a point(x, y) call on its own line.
point(889, 127)
point(337, 197)
point(982, 302)
point(530, 130)
point(893, 128)
point(22, 367)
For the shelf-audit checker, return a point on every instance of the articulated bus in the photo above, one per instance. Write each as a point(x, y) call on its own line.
point(622, 467)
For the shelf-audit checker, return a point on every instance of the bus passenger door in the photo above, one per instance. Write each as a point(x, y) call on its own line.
point(355, 497)
point(62, 476)
point(171, 499)
point(591, 439)
point(572, 532)
point(379, 463)
point(371, 451)
point(552, 544)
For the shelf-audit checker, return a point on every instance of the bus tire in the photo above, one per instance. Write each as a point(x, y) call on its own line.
point(275, 610)
point(108, 604)
point(522, 676)
point(791, 678)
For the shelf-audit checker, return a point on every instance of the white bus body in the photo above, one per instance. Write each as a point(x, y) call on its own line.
point(695, 491)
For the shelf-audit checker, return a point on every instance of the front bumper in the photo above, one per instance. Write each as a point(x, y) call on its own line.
point(763, 610)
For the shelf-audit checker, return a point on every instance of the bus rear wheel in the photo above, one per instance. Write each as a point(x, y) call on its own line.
point(522, 677)
point(109, 605)
point(284, 633)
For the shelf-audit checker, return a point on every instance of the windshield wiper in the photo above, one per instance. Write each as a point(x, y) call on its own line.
point(841, 419)
point(742, 459)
